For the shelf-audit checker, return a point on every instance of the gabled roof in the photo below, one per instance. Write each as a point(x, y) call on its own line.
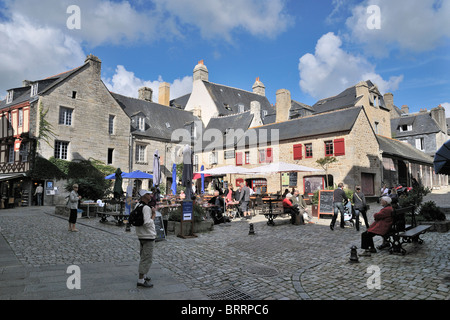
point(422, 123)
point(229, 100)
point(396, 148)
point(160, 120)
point(313, 125)
point(23, 94)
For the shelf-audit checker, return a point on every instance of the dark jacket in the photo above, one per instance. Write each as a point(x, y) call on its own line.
point(359, 201)
point(339, 195)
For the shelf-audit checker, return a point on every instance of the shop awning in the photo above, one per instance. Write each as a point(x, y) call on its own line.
point(10, 176)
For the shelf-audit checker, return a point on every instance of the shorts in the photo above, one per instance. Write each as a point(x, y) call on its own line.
point(244, 206)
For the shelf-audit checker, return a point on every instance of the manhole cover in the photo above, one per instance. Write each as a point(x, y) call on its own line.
point(262, 271)
point(229, 294)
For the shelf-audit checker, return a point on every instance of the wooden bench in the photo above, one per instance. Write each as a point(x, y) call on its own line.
point(401, 233)
point(118, 216)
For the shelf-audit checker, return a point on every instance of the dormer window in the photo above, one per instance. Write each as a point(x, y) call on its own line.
point(141, 123)
point(9, 97)
point(167, 125)
point(34, 89)
point(405, 127)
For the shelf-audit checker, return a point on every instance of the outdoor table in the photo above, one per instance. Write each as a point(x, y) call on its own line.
point(270, 215)
point(89, 203)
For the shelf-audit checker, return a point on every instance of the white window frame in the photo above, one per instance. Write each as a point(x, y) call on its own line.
point(11, 155)
point(20, 123)
point(34, 89)
point(65, 116)
point(140, 153)
point(61, 150)
point(141, 123)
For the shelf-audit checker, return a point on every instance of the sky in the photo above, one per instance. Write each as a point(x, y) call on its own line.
point(315, 49)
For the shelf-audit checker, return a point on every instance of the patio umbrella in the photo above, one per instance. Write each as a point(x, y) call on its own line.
point(112, 176)
point(174, 179)
point(137, 175)
point(277, 167)
point(186, 179)
point(442, 159)
point(118, 191)
point(203, 180)
point(156, 169)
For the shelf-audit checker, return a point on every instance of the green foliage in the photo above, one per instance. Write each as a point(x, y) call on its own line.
point(43, 169)
point(430, 212)
point(414, 197)
point(45, 128)
point(324, 163)
point(315, 197)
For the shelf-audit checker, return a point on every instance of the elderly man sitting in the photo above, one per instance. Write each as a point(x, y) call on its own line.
point(381, 226)
point(292, 210)
point(217, 210)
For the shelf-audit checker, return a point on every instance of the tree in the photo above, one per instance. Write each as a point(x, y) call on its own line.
point(324, 163)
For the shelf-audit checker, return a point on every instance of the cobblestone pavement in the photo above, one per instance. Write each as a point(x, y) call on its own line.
point(284, 262)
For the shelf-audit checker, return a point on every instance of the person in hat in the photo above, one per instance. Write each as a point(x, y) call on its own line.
point(146, 235)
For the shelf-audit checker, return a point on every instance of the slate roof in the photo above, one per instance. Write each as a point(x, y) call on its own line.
point(157, 116)
point(228, 101)
point(299, 109)
point(313, 125)
point(345, 99)
point(22, 94)
point(422, 123)
point(396, 148)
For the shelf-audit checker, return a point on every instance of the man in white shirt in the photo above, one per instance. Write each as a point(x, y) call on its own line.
point(146, 235)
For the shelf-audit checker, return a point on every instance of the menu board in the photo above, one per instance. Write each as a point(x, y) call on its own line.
point(325, 202)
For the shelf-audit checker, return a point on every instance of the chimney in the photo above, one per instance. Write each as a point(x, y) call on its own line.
point(95, 63)
point(26, 83)
point(145, 93)
point(259, 88)
point(164, 93)
point(389, 101)
point(438, 114)
point(282, 105)
point(255, 110)
point(201, 72)
point(405, 109)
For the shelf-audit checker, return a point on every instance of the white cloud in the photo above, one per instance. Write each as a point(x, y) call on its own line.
point(331, 70)
point(410, 25)
point(30, 52)
point(446, 106)
point(126, 83)
point(221, 17)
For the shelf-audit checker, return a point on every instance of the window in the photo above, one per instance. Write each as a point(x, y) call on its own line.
point(34, 89)
point(9, 97)
point(140, 153)
point(110, 156)
point(61, 148)
point(262, 155)
point(265, 155)
point(213, 158)
point(308, 150)
point(339, 147)
point(65, 116)
point(23, 152)
point(298, 151)
point(9, 124)
point(74, 94)
point(20, 117)
point(10, 153)
point(329, 148)
point(239, 158)
point(111, 124)
point(405, 127)
point(420, 144)
point(247, 157)
point(141, 123)
point(376, 127)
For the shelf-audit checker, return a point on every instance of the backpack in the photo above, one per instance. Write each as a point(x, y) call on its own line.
point(136, 217)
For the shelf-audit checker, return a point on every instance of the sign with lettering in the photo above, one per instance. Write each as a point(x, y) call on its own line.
point(187, 210)
point(325, 202)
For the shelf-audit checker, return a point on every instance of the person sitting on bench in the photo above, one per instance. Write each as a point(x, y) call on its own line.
point(381, 226)
point(217, 210)
point(292, 210)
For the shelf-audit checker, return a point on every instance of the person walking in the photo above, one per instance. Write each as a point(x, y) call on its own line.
point(38, 193)
point(339, 197)
point(244, 199)
point(360, 206)
point(146, 235)
point(73, 206)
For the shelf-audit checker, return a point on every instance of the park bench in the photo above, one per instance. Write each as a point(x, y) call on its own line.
point(272, 213)
point(104, 214)
point(401, 233)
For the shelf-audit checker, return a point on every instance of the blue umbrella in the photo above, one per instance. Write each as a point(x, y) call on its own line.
point(203, 179)
point(112, 176)
point(174, 179)
point(137, 175)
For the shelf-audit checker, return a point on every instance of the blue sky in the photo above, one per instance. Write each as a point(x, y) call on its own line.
point(315, 49)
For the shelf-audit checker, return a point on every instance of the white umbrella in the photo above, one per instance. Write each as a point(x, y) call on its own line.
point(283, 167)
point(156, 169)
point(226, 170)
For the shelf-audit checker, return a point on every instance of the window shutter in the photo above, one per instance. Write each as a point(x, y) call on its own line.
point(239, 158)
point(269, 155)
point(297, 151)
point(339, 147)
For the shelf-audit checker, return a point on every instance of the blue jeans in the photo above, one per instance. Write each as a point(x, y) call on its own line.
point(338, 206)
